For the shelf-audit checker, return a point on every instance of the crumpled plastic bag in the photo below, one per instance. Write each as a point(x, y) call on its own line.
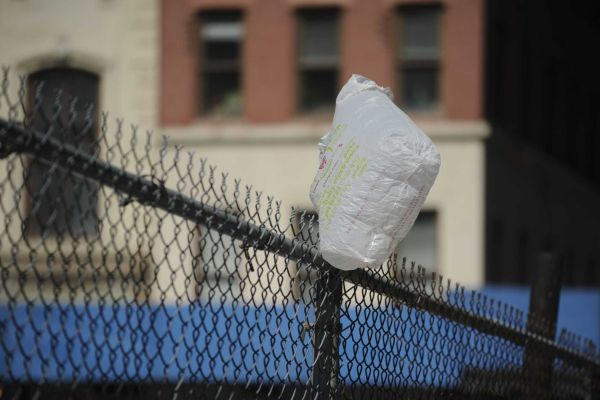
point(376, 168)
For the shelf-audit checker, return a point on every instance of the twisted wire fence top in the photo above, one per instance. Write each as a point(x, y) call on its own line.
point(132, 268)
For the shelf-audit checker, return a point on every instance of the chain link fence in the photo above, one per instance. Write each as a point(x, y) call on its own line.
point(134, 269)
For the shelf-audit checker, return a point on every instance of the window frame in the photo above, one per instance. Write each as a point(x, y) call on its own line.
point(416, 64)
point(29, 229)
point(218, 67)
point(301, 66)
point(206, 281)
point(435, 216)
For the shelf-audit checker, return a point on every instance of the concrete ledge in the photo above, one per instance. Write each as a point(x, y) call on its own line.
point(217, 133)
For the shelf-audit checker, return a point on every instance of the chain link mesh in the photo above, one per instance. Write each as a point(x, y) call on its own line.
point(134, 269)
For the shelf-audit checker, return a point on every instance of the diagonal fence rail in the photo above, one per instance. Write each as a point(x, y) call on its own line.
point(184, 287)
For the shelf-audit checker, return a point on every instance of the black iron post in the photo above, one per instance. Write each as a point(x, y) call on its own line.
point(328, 300)
point(545, 295)
point(543, 313)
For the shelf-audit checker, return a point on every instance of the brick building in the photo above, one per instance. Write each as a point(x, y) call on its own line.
point(275, 53)
point(251, 84)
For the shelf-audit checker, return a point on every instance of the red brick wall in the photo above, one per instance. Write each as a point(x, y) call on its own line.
point(367, 41)
point(269, 61)
point(178, 65)
point(462, 62)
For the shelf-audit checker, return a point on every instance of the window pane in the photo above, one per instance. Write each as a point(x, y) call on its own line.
point(62, 202)
point(419, 244)
point(221, 51)
point(218, 265)
point(221, 37)
point(318, 58)
point(419, 54)
point(222, 95)
point(318, 36)
point(319, 89)
point(420, 88)
point(218, 255)
point(420, 33)
point(225, 28)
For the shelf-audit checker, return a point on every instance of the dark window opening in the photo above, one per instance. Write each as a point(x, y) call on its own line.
point(218, 255)
point(221, 37)
point(216, 261)
point(60, 201)
point(419, 57)
point(419, 245)
point(318, 59)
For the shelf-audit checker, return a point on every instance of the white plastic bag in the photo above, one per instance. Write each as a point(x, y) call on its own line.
point(376, 168)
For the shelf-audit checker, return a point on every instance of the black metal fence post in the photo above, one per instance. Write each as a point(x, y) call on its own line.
point(328, 301)
point(543, 314)
point(545, 295)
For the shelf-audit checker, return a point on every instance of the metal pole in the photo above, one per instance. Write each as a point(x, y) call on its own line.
point(328, 300)
point(543, 314)
point(545, 295)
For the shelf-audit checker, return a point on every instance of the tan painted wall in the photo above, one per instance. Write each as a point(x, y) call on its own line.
point(116, 39)
point(281, 160)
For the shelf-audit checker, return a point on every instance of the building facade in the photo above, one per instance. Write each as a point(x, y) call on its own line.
point(114, 40)
point(105, 53)
point(252, 84)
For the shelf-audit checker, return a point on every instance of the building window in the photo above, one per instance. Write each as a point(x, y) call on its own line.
point(221, 35)
point(420, 243)
point(61, 202)
point(419, 57)
point(318, 59)
point(216, 265)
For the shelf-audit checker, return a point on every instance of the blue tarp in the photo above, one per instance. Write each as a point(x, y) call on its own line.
point(239, 344)
point(579, 308)
point(381, 346)
point(153, 343)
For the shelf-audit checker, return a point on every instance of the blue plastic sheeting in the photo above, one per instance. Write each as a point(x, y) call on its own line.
point(387, 346)
point(146, 343)
point(393, 347)
point(579, 308)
